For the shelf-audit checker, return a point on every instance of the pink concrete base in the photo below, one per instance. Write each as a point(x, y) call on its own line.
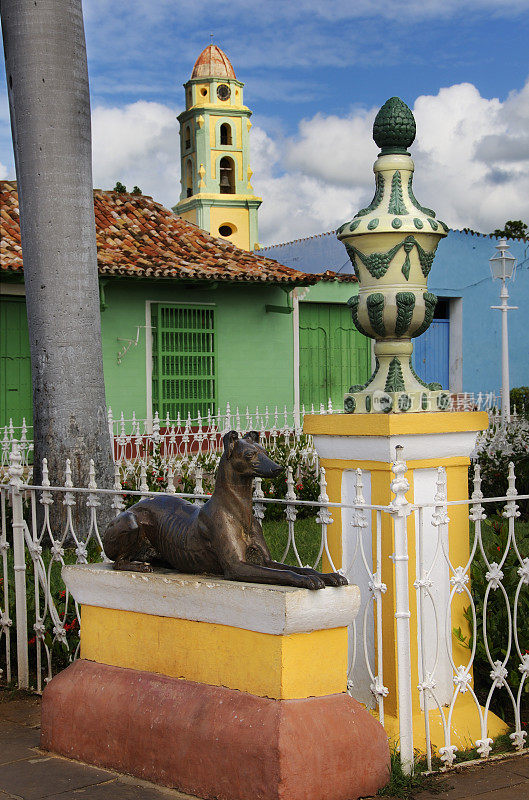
point(213, 742)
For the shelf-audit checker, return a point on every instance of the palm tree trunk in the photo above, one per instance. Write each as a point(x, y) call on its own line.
point(49, 102)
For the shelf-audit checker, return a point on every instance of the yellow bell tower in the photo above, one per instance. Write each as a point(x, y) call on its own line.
point(215, 153)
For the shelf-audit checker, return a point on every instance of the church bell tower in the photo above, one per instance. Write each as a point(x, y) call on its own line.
point(215, 153)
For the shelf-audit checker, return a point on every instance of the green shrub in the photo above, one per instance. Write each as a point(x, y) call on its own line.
point(497, 447)
point(495, 534)
point(520, 399)
point(305, 477)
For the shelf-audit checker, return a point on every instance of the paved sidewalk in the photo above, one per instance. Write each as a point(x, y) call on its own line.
point(27, 773)
point(498, 779)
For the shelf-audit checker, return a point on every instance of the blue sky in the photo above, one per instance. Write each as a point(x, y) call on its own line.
point(315, 74)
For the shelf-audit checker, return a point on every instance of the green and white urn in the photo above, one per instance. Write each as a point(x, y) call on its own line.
point(392, 245)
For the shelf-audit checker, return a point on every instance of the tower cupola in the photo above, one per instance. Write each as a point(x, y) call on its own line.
point(213, 63)
point(215, 152)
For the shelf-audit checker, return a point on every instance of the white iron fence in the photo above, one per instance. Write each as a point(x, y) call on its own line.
point(494, 581)
point(136, 440)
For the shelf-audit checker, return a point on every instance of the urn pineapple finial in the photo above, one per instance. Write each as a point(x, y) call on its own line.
point(392, 244)
point(394, 127)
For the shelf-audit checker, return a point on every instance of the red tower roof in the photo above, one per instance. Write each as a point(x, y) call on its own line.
point(213, 63)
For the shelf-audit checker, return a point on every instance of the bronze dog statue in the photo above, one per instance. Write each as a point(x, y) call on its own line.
point(220, 538)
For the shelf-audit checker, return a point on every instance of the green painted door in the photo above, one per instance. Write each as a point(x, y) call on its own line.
point(15, 363)
point(332, 354)
point(183, 374)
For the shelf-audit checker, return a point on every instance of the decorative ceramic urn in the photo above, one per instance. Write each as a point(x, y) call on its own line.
point(392, 244)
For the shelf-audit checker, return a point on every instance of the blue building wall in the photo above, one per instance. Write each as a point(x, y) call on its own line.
point(461, 269)
point(314, 254)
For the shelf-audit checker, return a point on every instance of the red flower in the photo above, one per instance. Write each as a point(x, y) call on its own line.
point(498, 548)
point(32, 641)
point(160, 479)
point(63, 593)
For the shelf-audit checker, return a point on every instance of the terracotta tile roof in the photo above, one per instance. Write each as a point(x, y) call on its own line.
point(213, 63)
point(140, 238)
point(341, 277)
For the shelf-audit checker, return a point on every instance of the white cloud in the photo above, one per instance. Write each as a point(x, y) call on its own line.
point(470, 182)
point(299, 197)
point(319, 149)
point(471, 156)
point(137, 144)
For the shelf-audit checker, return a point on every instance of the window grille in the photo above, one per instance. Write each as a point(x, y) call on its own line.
point(183, 360)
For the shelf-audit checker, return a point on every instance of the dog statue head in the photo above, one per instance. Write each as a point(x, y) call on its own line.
point(247, 457)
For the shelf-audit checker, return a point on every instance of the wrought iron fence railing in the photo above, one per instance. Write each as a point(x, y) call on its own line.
point(136, 440)
point(462, 629)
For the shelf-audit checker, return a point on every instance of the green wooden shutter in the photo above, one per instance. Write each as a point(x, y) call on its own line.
point(332, 354)
point(350, 353)
point(15, 363)
point(183, 360)
point(314, 375)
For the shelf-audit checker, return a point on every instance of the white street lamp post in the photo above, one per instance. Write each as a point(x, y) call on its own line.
point(502, 267)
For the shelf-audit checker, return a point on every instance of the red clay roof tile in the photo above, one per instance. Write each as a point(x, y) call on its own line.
point(169, 248)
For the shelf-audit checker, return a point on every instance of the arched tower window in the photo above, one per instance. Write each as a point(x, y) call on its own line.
point(188, 138)
point(227, 176)
point(225, 133)
point(189, 179)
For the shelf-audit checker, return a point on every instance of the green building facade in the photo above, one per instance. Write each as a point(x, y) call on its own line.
point(205, 347)
point(190, 323)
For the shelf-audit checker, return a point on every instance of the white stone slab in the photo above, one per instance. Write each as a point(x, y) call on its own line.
point(382, 448)
point(278, 610)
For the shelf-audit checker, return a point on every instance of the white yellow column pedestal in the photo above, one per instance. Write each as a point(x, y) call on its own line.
point(347, 442)
point(218, 688)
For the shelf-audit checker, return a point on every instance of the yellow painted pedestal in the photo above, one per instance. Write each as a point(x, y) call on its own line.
point(217, 688)
point(348, 442)
point(282, 667)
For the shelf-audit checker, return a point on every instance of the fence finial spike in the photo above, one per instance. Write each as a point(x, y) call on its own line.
point(359, 487)
point(144, 486)
point(170, 481)
point(68, 475)
point(323, 498)
point(92, 475)
point(477, 493)
point(359, 517)
point(16, 470)
point(511, 507)
point(291, 494)
point(399, 485)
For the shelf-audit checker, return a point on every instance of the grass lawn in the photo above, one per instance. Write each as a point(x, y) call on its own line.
point(308, 538)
